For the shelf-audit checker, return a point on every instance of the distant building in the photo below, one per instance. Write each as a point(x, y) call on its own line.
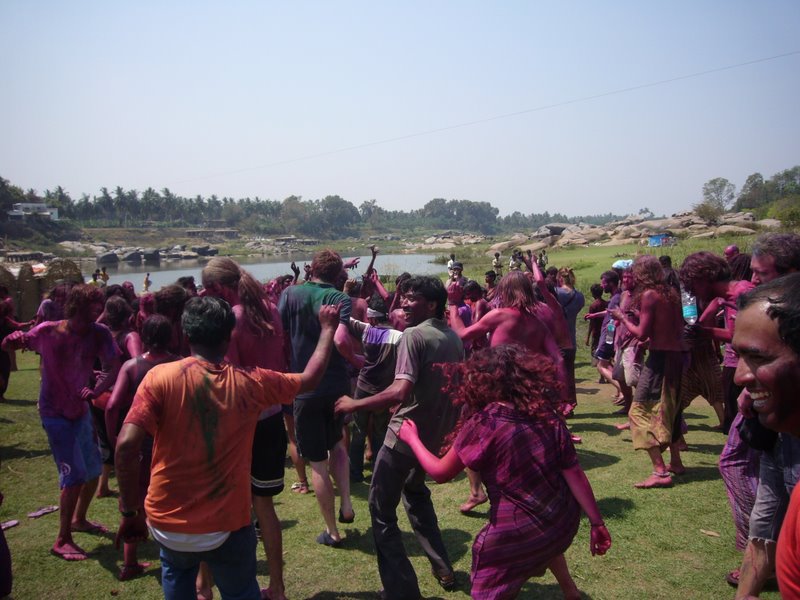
point(22, 210)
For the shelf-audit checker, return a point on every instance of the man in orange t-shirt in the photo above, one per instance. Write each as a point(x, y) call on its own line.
point(202, 414)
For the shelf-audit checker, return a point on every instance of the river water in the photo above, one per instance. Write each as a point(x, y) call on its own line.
point(262, 268)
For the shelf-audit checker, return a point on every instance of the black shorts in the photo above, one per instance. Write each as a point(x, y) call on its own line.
point(269, 456)
point(605, 352)
point(316, 427)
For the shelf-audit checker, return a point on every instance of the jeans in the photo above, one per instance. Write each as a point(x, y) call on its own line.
point(233, 565)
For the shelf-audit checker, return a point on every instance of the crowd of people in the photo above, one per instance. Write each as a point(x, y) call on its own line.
point(195, 397)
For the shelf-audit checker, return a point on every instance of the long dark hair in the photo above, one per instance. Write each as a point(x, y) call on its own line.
point(506, 373)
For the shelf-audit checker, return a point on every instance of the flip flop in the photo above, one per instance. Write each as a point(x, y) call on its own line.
point(45, 510)
point(9, 524)
point(325, 539)
point(70, 555)
point(300, 487)
point(348, 520)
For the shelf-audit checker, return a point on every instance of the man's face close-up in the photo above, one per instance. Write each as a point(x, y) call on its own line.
point(416, 308)
point(763, 268)
point(768, 369)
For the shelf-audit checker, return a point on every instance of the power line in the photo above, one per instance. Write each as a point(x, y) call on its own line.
point(510, 115)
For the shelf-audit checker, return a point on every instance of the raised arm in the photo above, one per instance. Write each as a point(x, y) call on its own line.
point(376, 281)
point(315, 368)
point(374, 251)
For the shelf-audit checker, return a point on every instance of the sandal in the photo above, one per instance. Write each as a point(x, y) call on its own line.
point(447, 580)
point(300, 487)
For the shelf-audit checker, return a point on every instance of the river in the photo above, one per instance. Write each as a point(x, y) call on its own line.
point(262, 268)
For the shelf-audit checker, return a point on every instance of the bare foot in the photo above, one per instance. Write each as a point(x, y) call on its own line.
point(205, 594)
point(576, 439)
point(473, 502)
point(89, 527)
point(678, 469)
point(107, 493)
point(656, 480)
point(270, 594)
point(623, 426)
point(68, 551)
point(127, 572)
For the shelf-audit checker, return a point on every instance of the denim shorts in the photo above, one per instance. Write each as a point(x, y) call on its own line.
point(777, 477)
point(75, 449)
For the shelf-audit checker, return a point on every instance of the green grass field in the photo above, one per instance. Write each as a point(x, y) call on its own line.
point(673, 543)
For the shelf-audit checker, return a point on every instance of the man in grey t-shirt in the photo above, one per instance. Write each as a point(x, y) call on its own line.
point(427, 342)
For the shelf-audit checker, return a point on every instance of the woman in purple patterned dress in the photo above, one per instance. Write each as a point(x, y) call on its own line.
point(510, 431)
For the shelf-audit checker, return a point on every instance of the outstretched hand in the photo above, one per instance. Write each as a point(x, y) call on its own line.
point(600, 540)
point(12, 340)
point(329, 315)
point(345, 404)
point(295, 268)
point(408, 431)
point(351, 263)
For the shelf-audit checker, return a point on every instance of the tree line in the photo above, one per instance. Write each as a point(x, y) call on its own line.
point(329, 217)
point(777, 197)
point(334, 217)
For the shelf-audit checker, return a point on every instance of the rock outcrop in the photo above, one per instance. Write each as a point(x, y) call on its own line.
point(633, 230)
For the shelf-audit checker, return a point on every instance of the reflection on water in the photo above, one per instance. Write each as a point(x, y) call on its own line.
point(262, 268)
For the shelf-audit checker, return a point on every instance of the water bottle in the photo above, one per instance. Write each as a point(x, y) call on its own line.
point(610, 332)
point(689, 307)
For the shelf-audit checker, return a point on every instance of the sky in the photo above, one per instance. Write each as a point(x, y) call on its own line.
point(574, 107)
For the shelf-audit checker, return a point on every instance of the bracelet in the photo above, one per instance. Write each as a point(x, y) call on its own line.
point(129, 513)
point(600, 524)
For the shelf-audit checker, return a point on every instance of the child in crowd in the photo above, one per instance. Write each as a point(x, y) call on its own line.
point(510, 432)
point(156, 335)
point(597, 306)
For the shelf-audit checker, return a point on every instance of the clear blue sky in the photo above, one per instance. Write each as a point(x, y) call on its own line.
point(271, 99)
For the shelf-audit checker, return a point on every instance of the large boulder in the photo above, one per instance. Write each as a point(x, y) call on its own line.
point(769, 223)
point(571, 240)
point(108, 258)
point(552, 229)
point(539, 245)
point(733, 230)
point(515, 241)
point(704, 236)
point(741, 219)
point(619, 242)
